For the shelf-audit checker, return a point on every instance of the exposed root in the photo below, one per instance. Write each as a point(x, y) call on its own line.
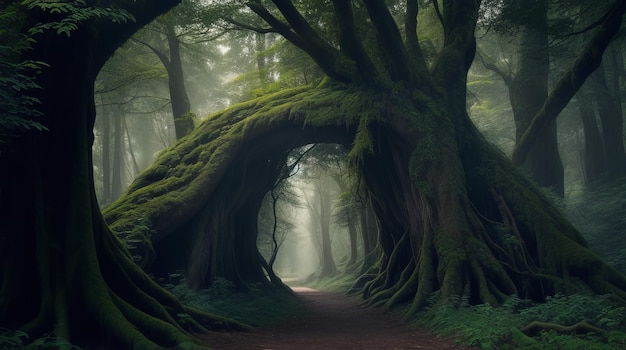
point(537, 327)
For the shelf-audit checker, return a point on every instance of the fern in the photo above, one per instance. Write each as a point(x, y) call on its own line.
point(490, 327)
point(72, 14)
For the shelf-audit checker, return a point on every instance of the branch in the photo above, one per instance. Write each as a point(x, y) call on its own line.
point(412, 42)
point(438, 12)
point(506, 76)
point(349, 40)
point(302, 35)
point(280, 27)
point(251, 27)
point(390, 40)
point(572, 80)
point(164, 59)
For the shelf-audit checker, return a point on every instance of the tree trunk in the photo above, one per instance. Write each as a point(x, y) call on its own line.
point(181, 107)
point(352, 235)
point(118, 167)
point(328, 267)
point(528, 90)
point(593, 155)
point(62, 269)
point(106, 160)
point(611, 119)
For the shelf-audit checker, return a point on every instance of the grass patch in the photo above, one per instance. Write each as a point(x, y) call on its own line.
point(256, 307)
point(487, 327)
point(339, 283)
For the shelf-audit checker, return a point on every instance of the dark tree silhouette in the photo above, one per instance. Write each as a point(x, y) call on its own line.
point(62, 268)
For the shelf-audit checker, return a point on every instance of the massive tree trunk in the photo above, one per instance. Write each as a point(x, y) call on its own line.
point(62, 269)
point(455, 216)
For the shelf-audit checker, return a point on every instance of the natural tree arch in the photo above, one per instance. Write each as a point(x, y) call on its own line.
point(457, 230)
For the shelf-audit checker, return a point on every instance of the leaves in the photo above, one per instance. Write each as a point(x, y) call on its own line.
point(73, 13)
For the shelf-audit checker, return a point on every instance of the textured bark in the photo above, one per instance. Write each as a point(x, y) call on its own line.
point(65, 272)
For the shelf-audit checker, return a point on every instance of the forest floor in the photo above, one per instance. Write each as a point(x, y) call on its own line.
point(333, 321)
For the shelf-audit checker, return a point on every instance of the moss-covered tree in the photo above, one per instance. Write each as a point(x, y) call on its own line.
point(454, 215)
point(62, 270)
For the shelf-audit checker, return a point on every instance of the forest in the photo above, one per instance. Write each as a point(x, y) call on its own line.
point(176, 172)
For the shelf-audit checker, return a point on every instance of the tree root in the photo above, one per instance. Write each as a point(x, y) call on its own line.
point(582, 327)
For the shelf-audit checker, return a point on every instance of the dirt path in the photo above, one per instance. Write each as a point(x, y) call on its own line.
point(332, 321)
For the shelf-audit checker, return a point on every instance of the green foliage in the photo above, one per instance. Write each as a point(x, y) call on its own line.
point(13, 339)
point(600, 214)
point(490, 327)
point(256, 306)
point(17, 77)
point(72, 13)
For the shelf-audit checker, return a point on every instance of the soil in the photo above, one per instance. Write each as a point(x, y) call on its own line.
point(333, 321)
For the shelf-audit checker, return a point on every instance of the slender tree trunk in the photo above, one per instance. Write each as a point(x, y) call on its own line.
point(611, 118)
point(593, 155)
point(181, 107)
point(328, 267)
point(117, 169)
point(106, 159)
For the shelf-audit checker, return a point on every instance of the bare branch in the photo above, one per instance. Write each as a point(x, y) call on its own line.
point(488, 63)
point(302, 35)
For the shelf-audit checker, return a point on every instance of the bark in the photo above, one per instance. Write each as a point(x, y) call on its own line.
point(328, 267)
point(594, 158)
point(65, 272)
point(181, 107)
point(117, 166)
point(352, 235)
point(106, 160)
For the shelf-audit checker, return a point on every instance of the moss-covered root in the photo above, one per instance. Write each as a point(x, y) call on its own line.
point(156, 314)
point(582, 327)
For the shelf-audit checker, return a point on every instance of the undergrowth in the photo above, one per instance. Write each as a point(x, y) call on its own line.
point(15, 339)
point(256, 307)
point(487, 327)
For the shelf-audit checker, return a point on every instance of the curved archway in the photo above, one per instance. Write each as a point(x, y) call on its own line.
point(217, 177)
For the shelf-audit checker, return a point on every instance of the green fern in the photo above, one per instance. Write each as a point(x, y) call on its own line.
point(72, 14)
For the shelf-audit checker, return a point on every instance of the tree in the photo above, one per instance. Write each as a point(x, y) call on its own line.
point(454, 215)
point(62, 268)
point(527, 82)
